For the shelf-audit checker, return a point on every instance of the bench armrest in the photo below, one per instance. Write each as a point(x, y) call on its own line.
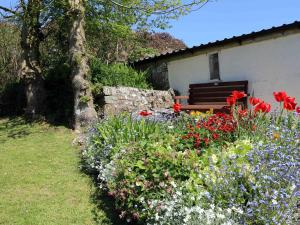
point(179, 98)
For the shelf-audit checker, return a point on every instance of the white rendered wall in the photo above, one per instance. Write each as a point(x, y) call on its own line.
point(270, 65)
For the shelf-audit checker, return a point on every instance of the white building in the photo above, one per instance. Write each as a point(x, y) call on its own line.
point(268, 59)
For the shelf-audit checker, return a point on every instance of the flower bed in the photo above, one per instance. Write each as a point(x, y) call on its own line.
point(201, 168)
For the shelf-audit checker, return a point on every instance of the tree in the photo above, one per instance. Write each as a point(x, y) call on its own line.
point(140, 13)
point(162, 42)
point(118, 18)
point(84, 111)
point(28, 14)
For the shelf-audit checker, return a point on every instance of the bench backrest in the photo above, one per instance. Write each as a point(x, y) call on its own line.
point(215, 93)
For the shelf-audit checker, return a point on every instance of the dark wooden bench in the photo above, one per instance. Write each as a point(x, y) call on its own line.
point(203, 97)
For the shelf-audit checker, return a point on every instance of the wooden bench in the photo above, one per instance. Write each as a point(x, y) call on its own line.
point(203, 97)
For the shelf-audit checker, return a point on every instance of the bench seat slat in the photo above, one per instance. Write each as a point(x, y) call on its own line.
point(193, 100)
point(216, 89)
point(210, 94)
point(215, 84)
point(200, 107)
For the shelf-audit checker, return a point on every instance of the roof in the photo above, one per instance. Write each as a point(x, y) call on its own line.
point(218, 43)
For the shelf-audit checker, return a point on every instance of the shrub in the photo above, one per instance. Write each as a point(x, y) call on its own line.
point(187, 209)
point(109, 136)
point(117, 75)
point(12, 99)
point(237, 168)
point(59, 98)
point(215, 128)
point(146, 172)
point(265, 182)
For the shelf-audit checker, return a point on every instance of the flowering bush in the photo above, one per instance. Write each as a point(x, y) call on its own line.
point(144, 173)
point(212, 129)
point(187, 209)
point(265, 183)
point(107, 138)
point(242, 167)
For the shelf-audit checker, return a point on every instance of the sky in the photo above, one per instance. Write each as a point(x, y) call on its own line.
point(221, 19)
point(226, 18)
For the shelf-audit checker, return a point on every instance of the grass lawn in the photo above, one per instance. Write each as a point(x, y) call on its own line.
point(40, 182)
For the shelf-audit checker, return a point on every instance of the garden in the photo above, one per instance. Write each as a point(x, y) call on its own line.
point(174, 167)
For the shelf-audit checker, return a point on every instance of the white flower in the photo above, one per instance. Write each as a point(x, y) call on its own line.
point(214, 158)
point(220, 216)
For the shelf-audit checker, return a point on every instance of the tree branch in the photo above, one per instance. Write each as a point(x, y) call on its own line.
point(8, 10)
point(160, 12)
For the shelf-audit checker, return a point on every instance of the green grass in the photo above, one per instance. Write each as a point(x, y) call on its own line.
point(40, 179)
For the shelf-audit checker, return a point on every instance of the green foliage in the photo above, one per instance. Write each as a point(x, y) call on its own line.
point(113, 28)
point(147, 171)
point(109, 136)
point(84, 99)
point(10, 54)
point(117, 75)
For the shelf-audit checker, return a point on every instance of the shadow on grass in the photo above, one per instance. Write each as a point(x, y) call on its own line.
point(103, 203)
point(14, 127)
point(20, 126)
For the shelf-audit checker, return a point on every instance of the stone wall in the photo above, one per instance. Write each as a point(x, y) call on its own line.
point(125, 99)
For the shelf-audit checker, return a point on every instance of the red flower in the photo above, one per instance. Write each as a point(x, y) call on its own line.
point(242, 112)
point(177, 107)
point(238, 94)
point(215, 136)
point(230, 100)
point(145, 113)
point(279, 96)
point(254, 101)
point(289, 103)
point(298, 109)
point(206, 141)
point(262, 107)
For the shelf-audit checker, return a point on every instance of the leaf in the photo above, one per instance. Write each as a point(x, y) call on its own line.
point(140, 165)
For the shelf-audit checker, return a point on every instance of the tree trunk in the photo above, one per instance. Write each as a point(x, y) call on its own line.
point(30, 67)
point(84, 111)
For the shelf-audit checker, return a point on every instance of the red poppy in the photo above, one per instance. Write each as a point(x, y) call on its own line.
point(145, 113)
point(280, 96)
point(298, 109)
point(238, 94)
point(177, 107)
point(254, 101)
point(230, 100)
point(289, 103)
point(262, 107)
